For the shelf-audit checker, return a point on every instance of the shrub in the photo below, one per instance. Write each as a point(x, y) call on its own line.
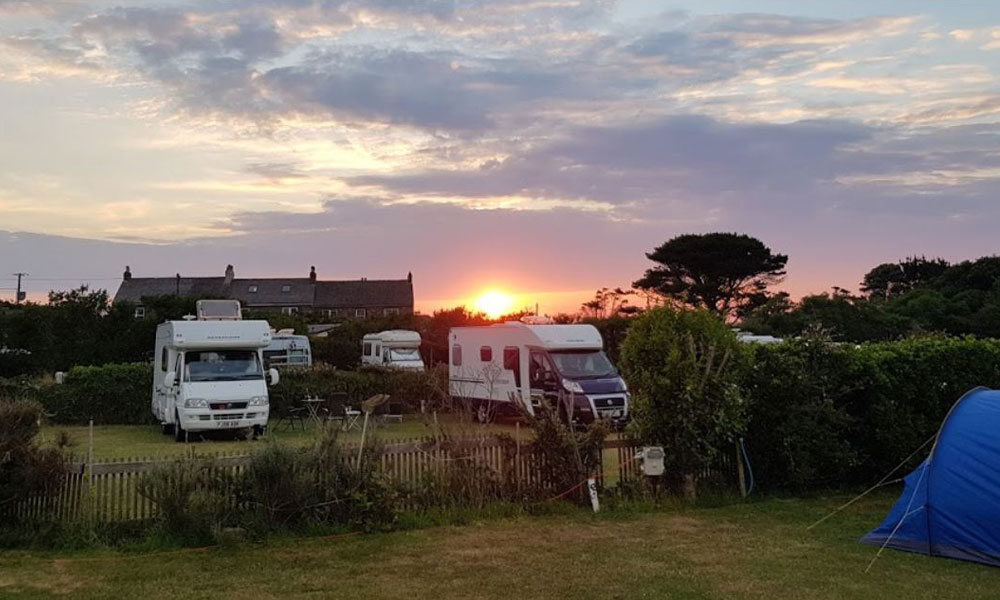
point(280, 488)
point(410, 388)
point(799, 423)
point(682, 369)
point(194, 499)
point(26, 469)
point(827, 415)
point(114, 394)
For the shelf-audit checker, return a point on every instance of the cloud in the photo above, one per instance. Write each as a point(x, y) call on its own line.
point(681, 156)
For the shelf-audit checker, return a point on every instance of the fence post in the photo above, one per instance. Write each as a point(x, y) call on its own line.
point(739, 471)
point(89, 477)
point(517, 459)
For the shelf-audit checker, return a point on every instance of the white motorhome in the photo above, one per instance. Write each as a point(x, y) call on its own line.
point(396, 349)
point(208, 372)
point(288, 350)
point(491, 368)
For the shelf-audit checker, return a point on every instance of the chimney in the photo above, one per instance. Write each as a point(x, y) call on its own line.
point(409, 276)
point(178, 290)
point(230, 274)
point(312, 274)
point(127, 274)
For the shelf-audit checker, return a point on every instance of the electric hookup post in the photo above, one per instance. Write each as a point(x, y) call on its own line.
point(651, 458)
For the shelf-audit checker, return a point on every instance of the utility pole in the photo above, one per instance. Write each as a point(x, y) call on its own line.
point(17, 297)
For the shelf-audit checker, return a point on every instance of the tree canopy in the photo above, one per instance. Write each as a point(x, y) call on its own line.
point(722, 272)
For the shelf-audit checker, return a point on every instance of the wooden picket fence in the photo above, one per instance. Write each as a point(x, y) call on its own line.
point(107, 491)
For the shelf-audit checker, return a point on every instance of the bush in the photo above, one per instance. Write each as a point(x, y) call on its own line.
point(682, 368)
point(410, 388)
point(799, 423)
point(281, 488)
point(195, 500)
point(827, 415)
point(110, 394)
point(26, 469)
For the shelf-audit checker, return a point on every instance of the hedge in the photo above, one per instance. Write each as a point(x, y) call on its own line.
point(408, 388)
point(110, 395)
point(120, 394)
point(825, 415)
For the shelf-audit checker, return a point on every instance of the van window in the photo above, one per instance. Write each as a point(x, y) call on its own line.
point(512, 358)
point(368, 349)
point(456, 355)
point(486, 354)
point(378, 350)
point(163, 360)
point(512, 362)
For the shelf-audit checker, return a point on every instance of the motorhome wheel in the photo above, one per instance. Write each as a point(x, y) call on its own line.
point(167, 429)
point(179, 434)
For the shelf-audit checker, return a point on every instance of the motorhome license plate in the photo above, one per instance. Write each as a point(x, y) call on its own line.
point(225, 424)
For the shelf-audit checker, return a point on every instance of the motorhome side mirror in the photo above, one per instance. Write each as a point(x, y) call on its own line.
point(170, 379)
point(273, 376)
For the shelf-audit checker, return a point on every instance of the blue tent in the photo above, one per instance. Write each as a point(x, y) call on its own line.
point(951, 503)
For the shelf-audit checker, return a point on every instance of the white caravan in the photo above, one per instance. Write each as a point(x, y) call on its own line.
point(288, 350)
point(492, 368)
point(396, 348)
point(208, 372)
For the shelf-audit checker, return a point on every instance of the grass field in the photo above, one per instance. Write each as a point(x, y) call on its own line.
point(757, 550)
point(146, 441)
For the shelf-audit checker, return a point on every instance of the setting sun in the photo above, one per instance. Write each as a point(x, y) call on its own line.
point(495, 303)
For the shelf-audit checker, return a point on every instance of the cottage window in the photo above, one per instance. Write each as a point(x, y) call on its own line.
point(285, 289)
point(140, 312)
point(359, 313)
point(252, 289)
point(391, 311)
point(289, 310)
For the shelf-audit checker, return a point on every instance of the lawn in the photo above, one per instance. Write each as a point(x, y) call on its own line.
point(146, 441)
point(756, 550)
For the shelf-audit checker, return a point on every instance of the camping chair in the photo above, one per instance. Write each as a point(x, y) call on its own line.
point(387, 411)
point(336, 407)
point(290, 415)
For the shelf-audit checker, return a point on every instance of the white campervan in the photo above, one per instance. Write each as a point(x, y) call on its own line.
point(208, 373)
point(288, 350)
point(493, 367)
point(396, 348)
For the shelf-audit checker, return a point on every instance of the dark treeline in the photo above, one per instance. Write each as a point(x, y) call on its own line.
point(912, 296)
point(82, 327)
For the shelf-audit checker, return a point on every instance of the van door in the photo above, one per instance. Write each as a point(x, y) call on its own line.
point(542, 379)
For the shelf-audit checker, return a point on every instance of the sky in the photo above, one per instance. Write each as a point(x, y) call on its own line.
point(540, 147)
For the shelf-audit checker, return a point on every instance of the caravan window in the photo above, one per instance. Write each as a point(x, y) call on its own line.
point(378, 350)
point(512, 362)
point(163, 360)
point(456, 355)
point(368, 349)
point(512, 358)
point(486, 354)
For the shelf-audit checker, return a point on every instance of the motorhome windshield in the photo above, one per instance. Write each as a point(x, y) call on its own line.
point(403, 354)
point(222, 365)
point(583, 364)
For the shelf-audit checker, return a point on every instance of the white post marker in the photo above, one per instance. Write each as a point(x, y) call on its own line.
point(592, 487)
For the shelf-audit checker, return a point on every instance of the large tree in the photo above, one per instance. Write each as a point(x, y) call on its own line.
point(722, 272)
point(889, 280)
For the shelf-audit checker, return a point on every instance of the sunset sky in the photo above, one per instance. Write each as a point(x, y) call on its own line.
point(538, 147)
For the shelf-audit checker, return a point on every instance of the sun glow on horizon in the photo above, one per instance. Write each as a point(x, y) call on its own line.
point(495, 303)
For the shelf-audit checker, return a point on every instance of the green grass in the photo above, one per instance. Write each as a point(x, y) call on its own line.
point(757, 550)
point(146, 441)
